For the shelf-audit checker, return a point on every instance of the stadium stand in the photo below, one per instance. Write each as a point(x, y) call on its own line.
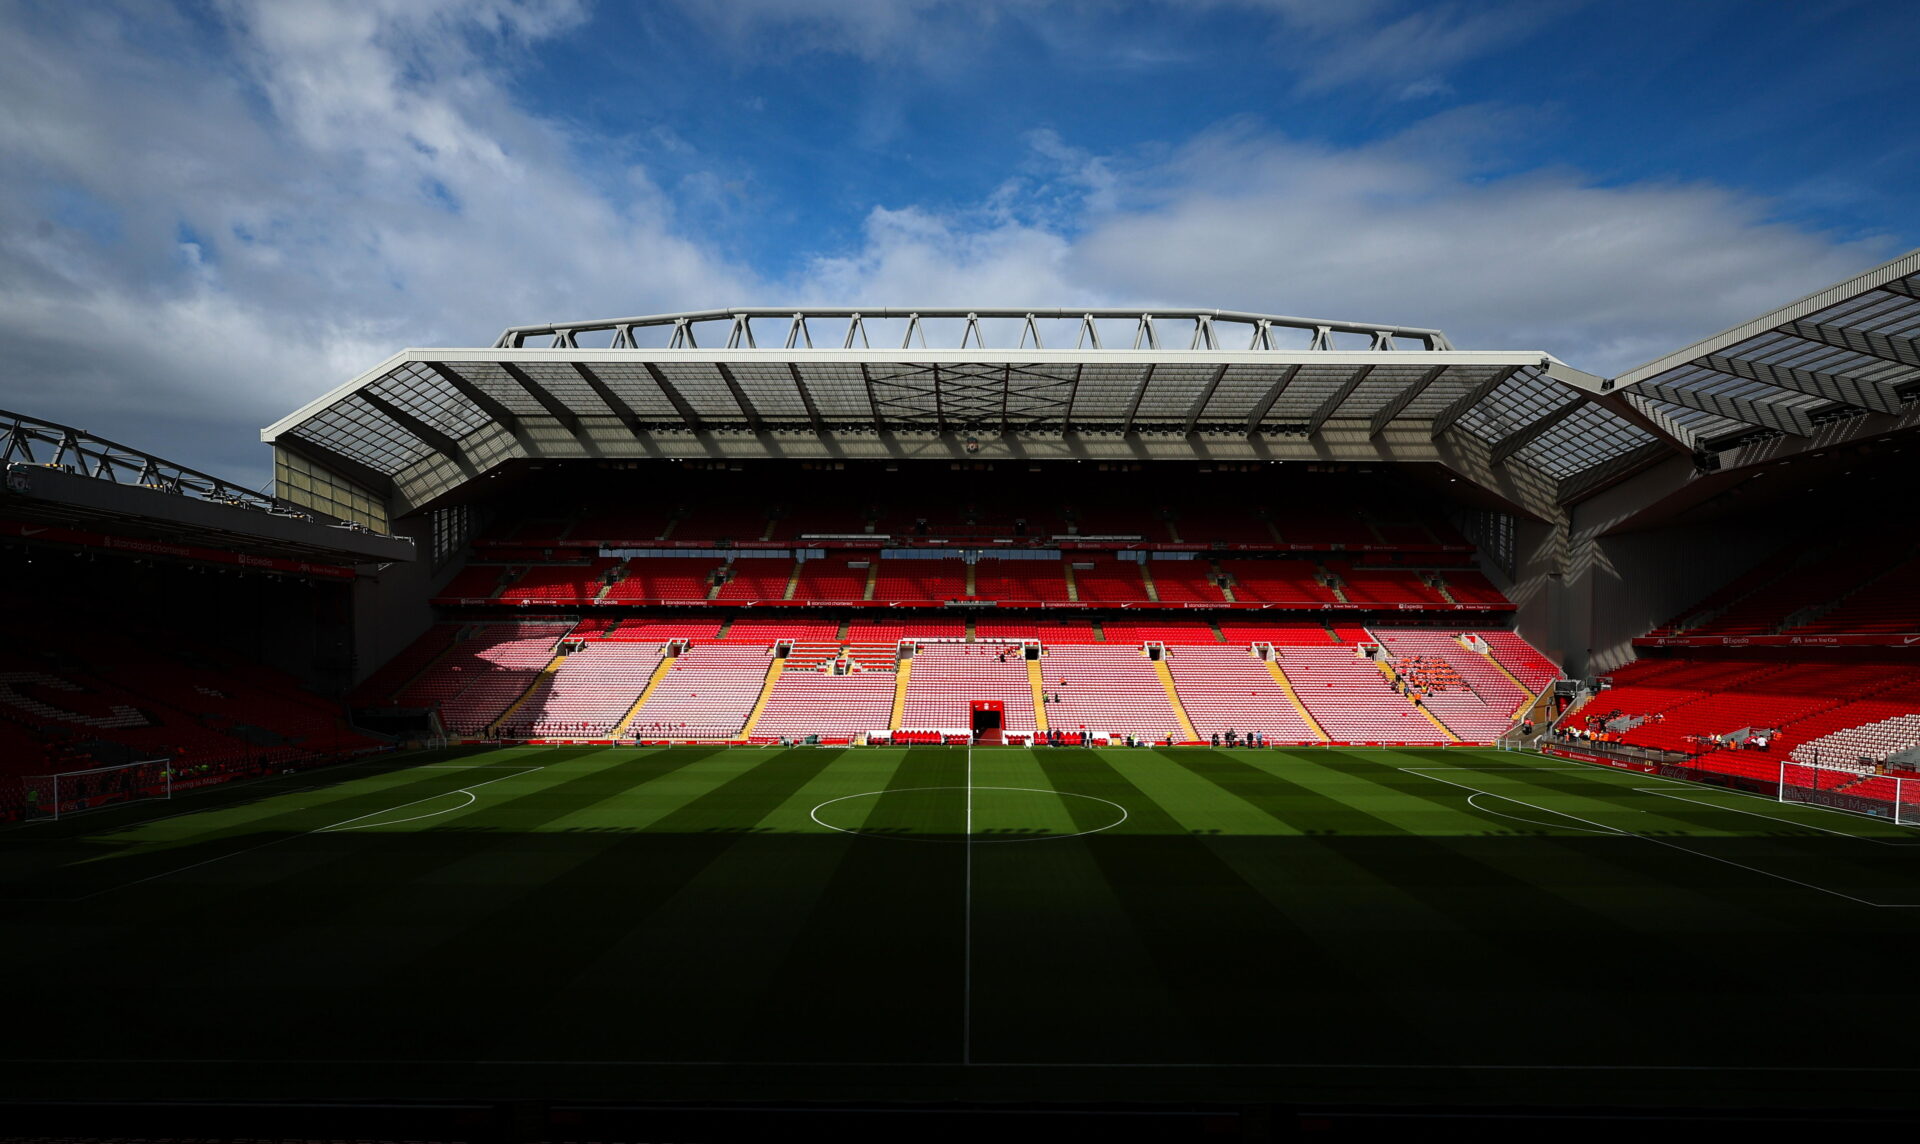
point(589, 693)
point(1224, 688)
point(487, 671)
point(945, 678)
point(1101, 689)
point(707, 694)
point(832, 706)
point(1352, 699)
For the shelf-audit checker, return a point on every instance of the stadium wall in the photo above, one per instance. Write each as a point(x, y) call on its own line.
point(1582, 595)
point(391, 607)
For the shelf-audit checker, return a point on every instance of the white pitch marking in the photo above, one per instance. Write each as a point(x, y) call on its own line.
point(1517, 818)
point(815, 815)
point(966, 936)
point(1695, 853)
point(1666, 793)
point(468, 791)
point(285, 838)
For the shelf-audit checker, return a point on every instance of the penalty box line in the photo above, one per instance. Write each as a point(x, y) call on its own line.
point(1602, 827)
point(1665, 792)
point(334, 828)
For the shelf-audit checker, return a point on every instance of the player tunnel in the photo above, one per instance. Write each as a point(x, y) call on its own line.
point(989, 720)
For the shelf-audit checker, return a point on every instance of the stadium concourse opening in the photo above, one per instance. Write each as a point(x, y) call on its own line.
point(547, 729)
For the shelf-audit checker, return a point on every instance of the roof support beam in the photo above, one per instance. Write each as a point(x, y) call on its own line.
point(1903, 287)
point(1199, 405)
point(873, 403)
point(1619, 406)
point(548, 401)
point(1262, 406)
point(1832, 386)
point(747, 409)
point(1444, 420)
point(605, 393)
point(1758, 411)
point(1513, 442)
point(443, 444)
point(486, 402)
point(806, 399)
point(1338, 398)
point(1139, 392)
point(694, 421)
point(1401, 400)
point(1886, 347)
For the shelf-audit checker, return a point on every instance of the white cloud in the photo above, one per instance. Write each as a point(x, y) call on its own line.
point(372, 185)
point(189, 249)
point(1400, 232)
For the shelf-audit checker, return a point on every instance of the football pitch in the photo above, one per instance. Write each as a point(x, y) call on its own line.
point(942, 923)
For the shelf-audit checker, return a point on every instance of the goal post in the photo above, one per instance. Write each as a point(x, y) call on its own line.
point(63, 793)
point(1859, 790)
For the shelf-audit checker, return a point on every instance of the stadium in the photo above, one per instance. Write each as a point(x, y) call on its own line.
point(985, 708)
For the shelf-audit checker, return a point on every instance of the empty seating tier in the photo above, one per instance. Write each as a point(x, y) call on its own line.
point(1224, 688)
point(1351, 699)
point(1106, 690)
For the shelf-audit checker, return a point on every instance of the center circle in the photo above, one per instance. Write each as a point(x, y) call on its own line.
point(959, 814)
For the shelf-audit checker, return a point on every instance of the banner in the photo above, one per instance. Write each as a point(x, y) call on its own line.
point(1824, 639)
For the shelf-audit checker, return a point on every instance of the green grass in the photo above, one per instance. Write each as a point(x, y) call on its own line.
point(1326, 924)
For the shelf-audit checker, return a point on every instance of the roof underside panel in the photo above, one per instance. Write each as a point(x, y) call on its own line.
point(770, 388)
point(359, 432)
point(419, 390)
point(838, 391)
point(1590, 436)
point(1516, 403)
point(565, 384)
point(1850, 350)
point(702, 388)
point(634, 385)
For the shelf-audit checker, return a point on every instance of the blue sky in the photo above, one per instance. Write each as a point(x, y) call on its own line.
point(213, 211)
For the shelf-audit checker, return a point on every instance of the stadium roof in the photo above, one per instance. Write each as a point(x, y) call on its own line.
point(62, 477)
point(939, 383)
point(1848, 350)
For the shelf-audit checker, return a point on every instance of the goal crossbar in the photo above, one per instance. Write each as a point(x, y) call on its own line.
point(58, 794)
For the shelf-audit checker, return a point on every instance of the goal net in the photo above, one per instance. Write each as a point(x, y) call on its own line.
point(1853, 788)
point(70, 792)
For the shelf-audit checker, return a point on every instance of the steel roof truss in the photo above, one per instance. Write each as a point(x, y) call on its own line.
point(1757, 411)
point(1401, 400)
point(553, 405)
point(1886, 347)
point(667, 390)
point(806, 399)
point(1337, 398)
point(1200, 403)
point(614, 401)
point(747, 409)
point(873, 403)
point(1513, 442)
point(1260, 407)
point(480, 397)
point(1139, 392)
point(1839, 387)
point(443, 444)
point(1468, 400)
